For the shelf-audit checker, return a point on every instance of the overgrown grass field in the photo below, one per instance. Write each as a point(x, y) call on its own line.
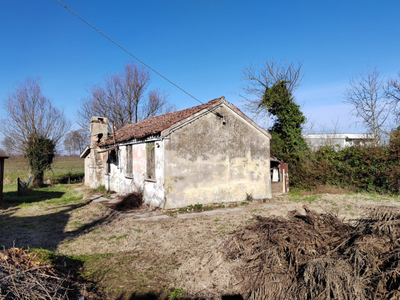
point(63, 166)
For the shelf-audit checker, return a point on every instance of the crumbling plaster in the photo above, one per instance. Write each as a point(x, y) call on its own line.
point(118, 180)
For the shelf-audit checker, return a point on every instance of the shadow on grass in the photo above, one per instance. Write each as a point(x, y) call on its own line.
point(71, 268)
point(45, 231)
point(43, 224)
point(30, 196)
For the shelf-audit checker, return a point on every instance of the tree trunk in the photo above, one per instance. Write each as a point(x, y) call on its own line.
point(37, 181)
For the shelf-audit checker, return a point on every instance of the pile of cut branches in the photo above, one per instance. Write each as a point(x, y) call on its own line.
point(24, 276)
point(317, 256)
point(304, 256)
point(129, 202)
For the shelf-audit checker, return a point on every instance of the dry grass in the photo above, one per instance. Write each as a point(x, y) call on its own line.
point(130, 256)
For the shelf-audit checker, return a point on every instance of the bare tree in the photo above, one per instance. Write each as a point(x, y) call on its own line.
point(29, 114)
point(392, 90)
point(8, 145)
point(367, 95)
point(257, 80)
point(33, 125)
point(122, 98)
point(75, 141)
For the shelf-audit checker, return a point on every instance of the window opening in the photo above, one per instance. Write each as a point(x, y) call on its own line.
point(129, 163)
point(150, 161)
point(112, 159)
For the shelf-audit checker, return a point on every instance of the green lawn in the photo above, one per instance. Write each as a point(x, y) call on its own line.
point(17, 166)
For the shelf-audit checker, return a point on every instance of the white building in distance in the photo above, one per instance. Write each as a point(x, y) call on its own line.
point(337, 140)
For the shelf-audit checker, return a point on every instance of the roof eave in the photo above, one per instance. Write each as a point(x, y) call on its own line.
point(85, 152)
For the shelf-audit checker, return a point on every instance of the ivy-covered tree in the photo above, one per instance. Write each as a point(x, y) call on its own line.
point(40, 153)
point(287, 142)
point(286, 130)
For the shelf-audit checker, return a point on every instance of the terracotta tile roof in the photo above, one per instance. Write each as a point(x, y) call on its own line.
point(156, 125)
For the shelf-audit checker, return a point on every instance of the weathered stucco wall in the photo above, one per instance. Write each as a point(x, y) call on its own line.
point(120, 181)
point(210, 160)
point(94, 168)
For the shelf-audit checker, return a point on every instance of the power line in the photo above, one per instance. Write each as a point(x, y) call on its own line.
point(142, 62)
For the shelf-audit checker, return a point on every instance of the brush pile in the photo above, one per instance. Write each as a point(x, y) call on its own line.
point(129, 202)
point(305, 256)
point(23, 276)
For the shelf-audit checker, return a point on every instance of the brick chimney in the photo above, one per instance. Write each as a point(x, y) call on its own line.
point(98, 130)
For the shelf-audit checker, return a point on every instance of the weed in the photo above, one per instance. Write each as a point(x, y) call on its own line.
point(176, 294)
point(299, 198)
point(311, 199)
point(249, 197)
point(216, 220)
point(76, 224)
point(194, 208)
point(124, 236)
point(99, 189)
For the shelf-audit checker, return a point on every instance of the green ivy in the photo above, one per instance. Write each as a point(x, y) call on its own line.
point(40, 154)
point(287, 142)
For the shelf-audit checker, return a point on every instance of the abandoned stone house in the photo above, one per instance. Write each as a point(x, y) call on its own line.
point(205, 154)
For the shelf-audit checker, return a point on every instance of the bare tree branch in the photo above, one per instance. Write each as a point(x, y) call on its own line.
point(392, 90)
point(30, 113)
point(367, 95)
point(271, 72)
point(123, 99)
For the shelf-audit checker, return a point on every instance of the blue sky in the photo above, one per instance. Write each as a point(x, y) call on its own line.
point(202, 46)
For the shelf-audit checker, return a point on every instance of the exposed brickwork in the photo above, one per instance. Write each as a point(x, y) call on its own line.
point(156, 125)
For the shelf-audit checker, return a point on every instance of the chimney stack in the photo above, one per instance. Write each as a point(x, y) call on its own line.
point(98, 130)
